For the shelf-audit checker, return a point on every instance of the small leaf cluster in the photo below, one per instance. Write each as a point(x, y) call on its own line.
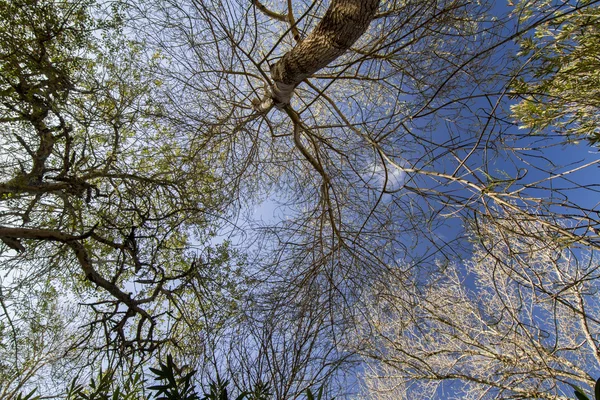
point(100, 388)
point(173, 387)
point(559, 87)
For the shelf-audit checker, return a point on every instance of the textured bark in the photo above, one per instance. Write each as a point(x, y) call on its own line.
point(343, 23)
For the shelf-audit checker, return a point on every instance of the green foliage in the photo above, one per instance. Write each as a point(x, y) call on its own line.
point(35, 334)
point(30, 396)
point(560, 85)
point(217, 390)
point(311, 396)
point(580, 394)
point(103, 190)
point(173, 387)
point(175, 384)
point(261, 391)
point(103, 388)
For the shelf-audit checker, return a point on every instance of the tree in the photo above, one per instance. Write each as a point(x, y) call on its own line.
point(100, 195)
point(331, 152)
point(518, 319)
point(285, 343)
point(393, 137)
point(560, 81)
point(37, 337)
point(344, 22)
point(379, 155)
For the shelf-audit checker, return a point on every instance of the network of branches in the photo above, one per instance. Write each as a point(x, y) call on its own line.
point(379, 198)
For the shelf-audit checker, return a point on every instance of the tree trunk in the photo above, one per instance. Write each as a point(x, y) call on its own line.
point(343, 23)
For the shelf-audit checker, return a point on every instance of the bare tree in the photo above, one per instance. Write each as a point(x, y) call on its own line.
point(338, 151)
point(518, 319)
point(283, 342)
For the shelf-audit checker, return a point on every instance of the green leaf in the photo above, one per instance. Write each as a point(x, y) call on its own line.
point(28, 396)
point(580, 395)
point(159, 387)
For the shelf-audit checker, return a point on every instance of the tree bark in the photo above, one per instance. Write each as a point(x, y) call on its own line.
point(343, 23)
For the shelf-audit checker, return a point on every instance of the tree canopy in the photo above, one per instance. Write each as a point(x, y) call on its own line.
point(375, 198)
point(560, 85)
point(103, 202)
